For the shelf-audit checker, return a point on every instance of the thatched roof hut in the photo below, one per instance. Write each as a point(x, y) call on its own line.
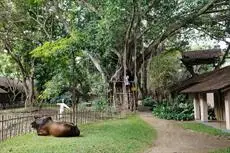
point(210, 82)
point(6, 82)
point(216, 82)
point(11, 92)
point(197, 57)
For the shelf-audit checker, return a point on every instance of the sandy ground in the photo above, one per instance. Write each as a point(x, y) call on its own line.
point(171, 138)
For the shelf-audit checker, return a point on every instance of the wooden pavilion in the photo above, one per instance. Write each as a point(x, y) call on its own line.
point(216, 82)
point(200, 87)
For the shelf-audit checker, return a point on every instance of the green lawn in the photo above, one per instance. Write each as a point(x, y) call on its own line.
point(199, 127)
point(130, 135)
point(222, 151)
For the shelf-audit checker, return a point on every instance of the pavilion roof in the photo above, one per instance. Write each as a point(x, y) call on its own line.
point(218, 79)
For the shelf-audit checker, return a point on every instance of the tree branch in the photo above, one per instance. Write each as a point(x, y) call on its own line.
point(116, 74)
point(150, 6)
point(127, 40)
point(66, 25)
point(21, 67)
point(96, 63)
point(212, 36)
point(89, 6)
point(174, 27)
point(42, 25)
point(216, 11)
point(224, 57)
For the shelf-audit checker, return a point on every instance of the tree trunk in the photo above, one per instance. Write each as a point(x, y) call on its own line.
point(124, 90)
point(75, 100)
point(29, 91)
point(142, 80)
point(145, 89)
point(29, 88)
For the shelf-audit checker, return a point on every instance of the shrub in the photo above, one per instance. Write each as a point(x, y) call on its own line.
point(178, 109)
point(148, 101)
point(82, 106)
point(100, 105)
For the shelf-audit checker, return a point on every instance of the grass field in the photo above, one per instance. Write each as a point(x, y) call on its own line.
point(199, 127)
point(130, 135)
point(222, 151)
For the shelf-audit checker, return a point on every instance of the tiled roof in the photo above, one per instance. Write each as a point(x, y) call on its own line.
point(2, 91)
point(202, 54)
point(212, 81)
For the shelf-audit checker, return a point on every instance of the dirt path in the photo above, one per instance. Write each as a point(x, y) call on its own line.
point(171, 138)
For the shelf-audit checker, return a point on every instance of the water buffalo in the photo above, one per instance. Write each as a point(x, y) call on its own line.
point(46, 126)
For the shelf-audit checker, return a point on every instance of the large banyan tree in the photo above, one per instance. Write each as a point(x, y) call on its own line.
point(132, 32)
point(121, 36)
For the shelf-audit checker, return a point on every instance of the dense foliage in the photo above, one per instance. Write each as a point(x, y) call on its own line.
point(46, 39)
point(164, 71)
point(149, 101)
point(179, 109)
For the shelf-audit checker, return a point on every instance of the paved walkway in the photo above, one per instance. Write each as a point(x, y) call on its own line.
point(171, 138)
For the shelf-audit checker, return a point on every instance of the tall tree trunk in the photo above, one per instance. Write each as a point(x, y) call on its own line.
point(142, 80)
point(126, 51)
point(75, 100)
point(124, 93)
point(29, 91)
point(145, 87)
point(28, 87)
point(75, 94)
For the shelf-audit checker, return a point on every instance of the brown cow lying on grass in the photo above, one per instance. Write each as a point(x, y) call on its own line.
point(46, 126)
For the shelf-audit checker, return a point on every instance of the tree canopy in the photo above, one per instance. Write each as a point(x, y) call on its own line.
point(70, 41)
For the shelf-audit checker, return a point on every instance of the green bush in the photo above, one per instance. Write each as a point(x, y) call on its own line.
point(82, 106)
point(178, 109)
point(148, 101)
point(100, 105)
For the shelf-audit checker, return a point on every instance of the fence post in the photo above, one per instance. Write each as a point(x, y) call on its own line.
point(81, 116)
point(76, 116)
point(10, 126)
point(84, 115)
point(19, 124)
point(2, 126)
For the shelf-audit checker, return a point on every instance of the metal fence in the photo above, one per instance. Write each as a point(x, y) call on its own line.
point(17, 124)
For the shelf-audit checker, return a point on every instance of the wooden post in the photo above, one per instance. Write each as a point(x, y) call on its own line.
point(11, 126)
point(19, 124)
point(227, 109)
point(204, 107)
point(2, 127)
point(114, 94)
point(196, 104)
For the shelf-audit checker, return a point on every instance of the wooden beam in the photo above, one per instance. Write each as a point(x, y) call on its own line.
point(227, 109)
point(204, 107)
point(196, 104)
